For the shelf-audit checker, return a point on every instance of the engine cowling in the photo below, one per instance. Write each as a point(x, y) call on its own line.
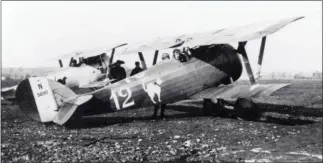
point(224, 57)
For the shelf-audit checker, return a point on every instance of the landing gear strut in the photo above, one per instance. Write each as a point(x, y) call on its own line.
point(212, 109)
point(242, 108)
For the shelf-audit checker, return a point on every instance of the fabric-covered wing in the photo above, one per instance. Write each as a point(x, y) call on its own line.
point(89, 52)
point(220, 36)
point(98, 51)
point(241, 34)
point(232, 92)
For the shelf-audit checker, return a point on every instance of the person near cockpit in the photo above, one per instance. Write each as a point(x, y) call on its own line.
point(187, 53)
point(73, 63)
point(137, 69)
point(117, 72)
point(179, 56)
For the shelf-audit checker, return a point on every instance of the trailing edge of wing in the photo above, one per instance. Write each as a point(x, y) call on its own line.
point(241, 34)
point(231, 92)
point(220, 36)
point(89, 52)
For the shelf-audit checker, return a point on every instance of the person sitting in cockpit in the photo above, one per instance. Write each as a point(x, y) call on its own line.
point(73, 63)
point(187, 53)
point(179, 56)
point(81, 61)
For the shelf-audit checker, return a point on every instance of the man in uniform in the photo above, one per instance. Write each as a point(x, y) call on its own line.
point(179, 56)
point(117, 72)
point(137, 69)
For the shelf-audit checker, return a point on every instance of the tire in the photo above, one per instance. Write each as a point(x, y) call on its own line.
point(211, 109)
point(246, 109)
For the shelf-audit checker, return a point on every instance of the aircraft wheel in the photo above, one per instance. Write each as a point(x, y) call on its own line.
point(246, 109)
point(211, 109)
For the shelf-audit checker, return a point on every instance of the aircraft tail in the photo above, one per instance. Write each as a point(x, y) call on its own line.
point(45, 100)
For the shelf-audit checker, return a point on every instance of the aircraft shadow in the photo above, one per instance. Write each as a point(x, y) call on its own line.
point(196, 111)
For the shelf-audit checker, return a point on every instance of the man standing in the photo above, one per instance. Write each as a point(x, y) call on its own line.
point(117, 72)
point(137, 69)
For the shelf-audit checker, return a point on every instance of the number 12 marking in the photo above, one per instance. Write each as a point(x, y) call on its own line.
point(126, 103)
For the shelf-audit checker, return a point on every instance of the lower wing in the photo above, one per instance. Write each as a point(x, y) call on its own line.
point(236, 91)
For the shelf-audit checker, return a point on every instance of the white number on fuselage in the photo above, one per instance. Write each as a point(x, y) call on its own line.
point(127, 94)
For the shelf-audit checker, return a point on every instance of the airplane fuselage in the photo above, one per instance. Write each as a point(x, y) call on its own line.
point(171, 80)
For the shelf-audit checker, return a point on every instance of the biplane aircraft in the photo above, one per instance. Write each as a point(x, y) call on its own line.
point(210, 67)
point(92, 67)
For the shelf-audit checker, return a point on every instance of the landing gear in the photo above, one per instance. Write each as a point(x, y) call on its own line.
point(246, 109)
point(162, 110)
point(212, 109)
point(242, 108)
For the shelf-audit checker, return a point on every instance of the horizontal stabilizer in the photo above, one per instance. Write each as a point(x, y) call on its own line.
point(8, 93)
point(46, 100)
point(230, 92)
point(97, 84)
point(69, 108)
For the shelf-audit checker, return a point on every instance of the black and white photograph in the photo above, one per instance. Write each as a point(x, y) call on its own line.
point(161, 81)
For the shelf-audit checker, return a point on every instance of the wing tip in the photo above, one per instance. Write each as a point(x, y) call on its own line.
point(298, 18)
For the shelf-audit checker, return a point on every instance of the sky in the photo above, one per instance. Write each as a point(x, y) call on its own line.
point(35, 32)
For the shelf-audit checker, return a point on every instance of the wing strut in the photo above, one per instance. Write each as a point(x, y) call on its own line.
point(260, 57)
point(241, 49)
point(112, 55)
point(155, 57)
point(60, 63)
point(142, 60)
point(113, 51)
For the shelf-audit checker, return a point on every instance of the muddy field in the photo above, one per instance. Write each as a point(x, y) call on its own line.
point(289, 130)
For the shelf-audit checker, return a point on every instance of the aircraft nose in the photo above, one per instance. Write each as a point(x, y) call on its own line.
point(226, 59)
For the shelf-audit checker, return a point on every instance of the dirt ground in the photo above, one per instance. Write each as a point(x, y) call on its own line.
point(290, 130)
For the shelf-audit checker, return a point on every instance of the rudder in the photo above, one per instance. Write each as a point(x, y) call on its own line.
point(46, 100)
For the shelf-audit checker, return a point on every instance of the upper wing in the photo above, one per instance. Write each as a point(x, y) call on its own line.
point(89, 52)
point(98, 51)
point(220, 36)
point(231, 92)
point(240, 34)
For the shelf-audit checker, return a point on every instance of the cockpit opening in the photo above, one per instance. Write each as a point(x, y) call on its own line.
point(183, 55)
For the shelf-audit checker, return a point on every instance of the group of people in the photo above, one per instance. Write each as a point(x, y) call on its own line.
point(74, 63)
point(118, 73)
point(182, 56)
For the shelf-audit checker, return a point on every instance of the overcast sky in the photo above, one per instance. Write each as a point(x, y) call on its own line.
point(33, 32)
